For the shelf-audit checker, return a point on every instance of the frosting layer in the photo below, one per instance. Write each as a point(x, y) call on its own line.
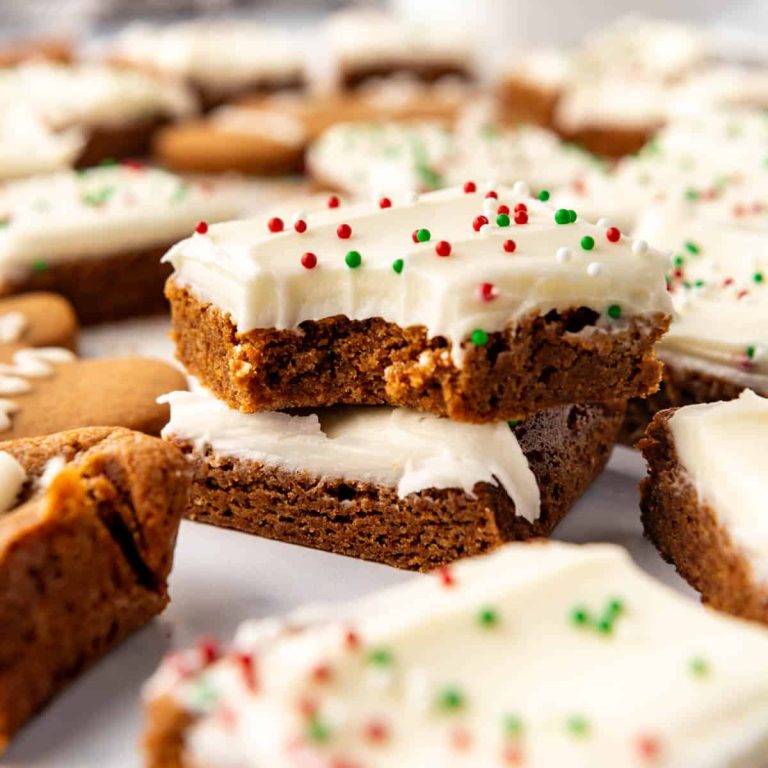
point(453, 281)
point(724, 449)
point(537, 655)
point(394, 447)
point(101, 211)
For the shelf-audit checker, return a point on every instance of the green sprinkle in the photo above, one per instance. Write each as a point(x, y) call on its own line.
point(108, 162)
point(580, 616)
point(604, 625)
point(692, 247)
point(423, 235)
point(428, 176)
point(577, 725)
point(180, 192)
point(479, 337)
point(614, 608)
point(758, 277)
point(698, 283)
point(318, 731)
point(488, 617)
point(39, 266)
point(451, 700)
point(562, 216)
point(572, 215)
point(490, 131)
point(204, 695)
point(750, 352)
point(587, 242)
point(5, 221)
point(691, 194)
point(698, 666)
point(678, 261)
point(381, 657)
point(514, 423)
point(397, 265)
point(543, 195)
point(614, 311)
point(353, 259)
point(502, 220)
point(513, 726)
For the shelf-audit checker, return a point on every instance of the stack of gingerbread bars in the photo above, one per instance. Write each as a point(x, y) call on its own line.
point(412, 380)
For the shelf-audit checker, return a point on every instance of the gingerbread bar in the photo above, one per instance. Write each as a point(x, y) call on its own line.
point(718, 342)
point(87, 531)
point(539, 654)
point(117, 110)
point(704, 499)
point(221, 60)
point(478, 306)
point(97, 236)
point(393, 485)
point(367, 43)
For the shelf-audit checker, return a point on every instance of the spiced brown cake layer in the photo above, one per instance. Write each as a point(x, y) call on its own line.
point(354, 75)
point(687, 533)
point(102, 289)
point(566, 449)
point(680, 386)
point(543, 362)
point(521, 101)
point(165, 727)
point(84, 564)
point(614, 142)
point(119, 141)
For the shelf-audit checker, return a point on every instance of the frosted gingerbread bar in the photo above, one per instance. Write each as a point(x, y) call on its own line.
point(393, 485)
point(97, 236)
point(537, 655)
point(704, 499)
point(477, 305)
point(88, 523)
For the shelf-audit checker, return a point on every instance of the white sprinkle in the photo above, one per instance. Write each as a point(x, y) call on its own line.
point(52, 468)
point(411, 197)
point(594, 269)
point(521, 188)
point(486, 229)
point(563, 255)
point(604, 222)
point(298, 216)
point(639, 247)
point(489, 206)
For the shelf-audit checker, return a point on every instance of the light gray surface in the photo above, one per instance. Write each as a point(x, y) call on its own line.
point(221, 577)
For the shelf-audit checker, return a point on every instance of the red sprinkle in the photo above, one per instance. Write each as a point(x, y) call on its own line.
point(502, 209)
point(300, 226)
point(492, 194)
point(309, 260)
point(469, 187)
point(649, 748)
point(443, 248)
point(248, 668)
point(510, 246)
point(322, 673)
point(446, 576)
point(742, 293)
point(521, 217)
point(521, 207)
point(307, 707)
point(460, 739)
point(478, 222)
point(376, 732)
point(201, 228)
point(385, 202)
point(333, 201)
point(487, 291)
point(344, 231)
point(209, 649)
point(512, 755)
point(134, 165)
point(728, 281)
point(351, 640)
point(275, 224)
point(613, 234)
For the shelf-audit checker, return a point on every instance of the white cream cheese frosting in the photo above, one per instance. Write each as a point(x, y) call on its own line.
point(28, 146)
point(100, 211)
point(537, 655)
point(91, 94)
point(361, 36)
point(724, 449)
point(484, 280)
point(718, 278)
point(217, 54)
point(12, 479)
point(394, 447)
